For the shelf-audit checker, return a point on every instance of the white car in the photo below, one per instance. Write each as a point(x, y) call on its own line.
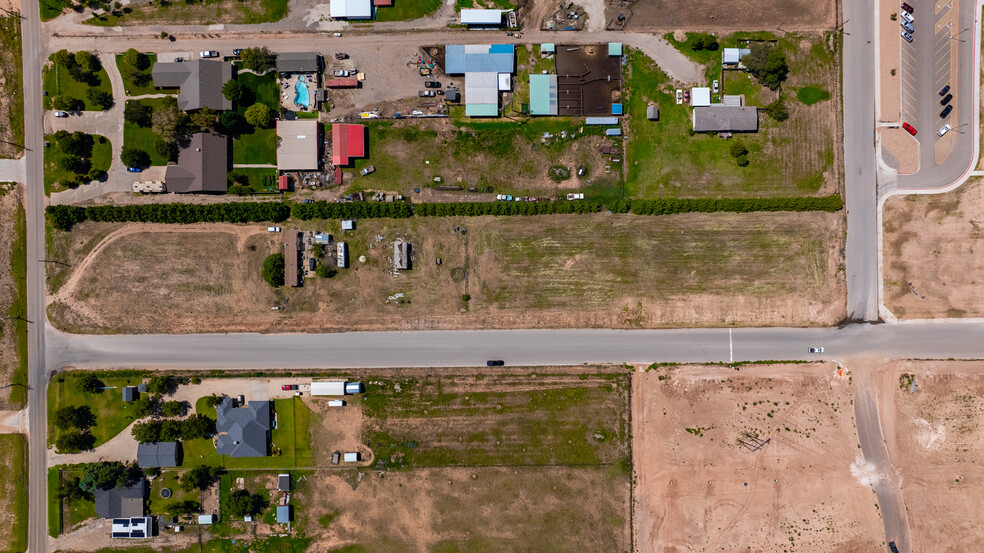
point(273, 229)
point(575, 196)
point(907, 16)
point(816, 350)
point(944, 130)
point(341, 73)
point(679, 96)
point(61, 114)
point(714, 86)
point(209, 54)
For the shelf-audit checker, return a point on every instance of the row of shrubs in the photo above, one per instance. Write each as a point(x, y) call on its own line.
point(64, 217)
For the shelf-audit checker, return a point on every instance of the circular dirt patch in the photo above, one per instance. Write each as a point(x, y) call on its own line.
point(458, 274)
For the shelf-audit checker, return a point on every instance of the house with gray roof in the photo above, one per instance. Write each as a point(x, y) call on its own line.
point(200, 82)
point(159, 454)
point(722, 118)
point(125, 502)
point(242, 431)
point(203, 166)
point(298, 62)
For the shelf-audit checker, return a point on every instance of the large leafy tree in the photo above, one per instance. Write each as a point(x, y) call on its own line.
point(258, 115)
point(258, 58)
point(767, 63)
point(137, 113)
point(167, 120)
point(200, 478)
point(245, 503)
point(106, 474)
point(81, 418)
point(273, 270)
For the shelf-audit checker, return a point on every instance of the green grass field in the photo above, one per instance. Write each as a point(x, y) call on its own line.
point(56, 81)
point(13, 493)
point(54, 503)
point(51, 9)
point(403, 10)
point(260, 179)
point(257, 147)
point(54, 176)
point(206, 12)
point(143, 138)
point(132, 88)
point(810, 95)
point(168, 479)
point(112, 413)
point(18, 309)
point(290, 442)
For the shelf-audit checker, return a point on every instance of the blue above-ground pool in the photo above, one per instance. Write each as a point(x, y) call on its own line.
point(302, 98)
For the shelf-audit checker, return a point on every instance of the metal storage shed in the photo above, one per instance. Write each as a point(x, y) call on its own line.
point(543, 94)
point(471, 16)
point(284, 514)
point(328, 388)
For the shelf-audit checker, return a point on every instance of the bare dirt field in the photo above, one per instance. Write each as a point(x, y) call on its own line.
point(478, 510)
point(935, 242)
point(756, 460)
point(618, 271)
point(706, 15)
point(11, 212)
point(936, 445)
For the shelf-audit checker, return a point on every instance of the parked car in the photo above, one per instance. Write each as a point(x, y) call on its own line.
point(714, 86)
point(906, 7)
point(134, 169)
point(816, 350)
point(577, 196)
point(288, 387)
point(893, 547)
point(427, 94)
point(495, 363)
point(944, 91)
point(307, 201)
point(237, 51)
point(336, 34)
point(312, 263)
point(679, 96)
point(61, 114)
point(906, 16)
point(179, 58)
point(341, 73)
point(432, 84)
point(906, 36)
point(946, 111)
point(367, 170)
point(908, 26)
point(341, 56)
point(946, 99)
point(943, 130)
point(909, 128)
point(686, 96)
point(273, 229)
point(210, 54)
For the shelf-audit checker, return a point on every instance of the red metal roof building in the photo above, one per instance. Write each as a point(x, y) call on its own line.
point(347, 142)
point(382, 2)
point(340, 82)
point(283, 182)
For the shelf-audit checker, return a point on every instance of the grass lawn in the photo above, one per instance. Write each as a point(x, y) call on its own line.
point(132, 88)
point(407, 9)
point(257, 147)
point(51, 9)
point(143, 137)
point(260, 179)
point(664, 160)
point(54, 176)
point(306, 114)
point(13, 493)
point(61, 516)
point(54, 503)
point(18, 309)
point(290, 442)
point(207, 12)
point(56, 81)
point(168, 479)
point(810, 95)
point(11, 66)
point(739, 82)
point(112, 413)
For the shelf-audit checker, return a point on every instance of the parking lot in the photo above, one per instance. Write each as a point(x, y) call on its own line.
point(940, 55)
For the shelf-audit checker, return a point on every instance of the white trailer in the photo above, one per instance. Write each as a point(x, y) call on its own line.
point(342, 255)
point(328, 388)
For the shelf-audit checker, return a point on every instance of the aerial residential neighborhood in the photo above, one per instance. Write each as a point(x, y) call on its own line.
point(376, 276)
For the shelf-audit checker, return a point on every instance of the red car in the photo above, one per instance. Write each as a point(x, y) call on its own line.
point(911, 130)
point(906, 7)
point(288, 387)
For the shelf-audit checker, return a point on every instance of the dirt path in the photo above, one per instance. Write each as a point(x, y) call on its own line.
point(67, 290)
point(121, 447)
point(13, 422)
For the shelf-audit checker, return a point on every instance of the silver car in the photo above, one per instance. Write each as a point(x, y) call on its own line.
point(907, 26)
point(906, 36)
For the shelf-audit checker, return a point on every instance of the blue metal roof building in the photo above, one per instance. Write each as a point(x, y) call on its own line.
point(479, 58)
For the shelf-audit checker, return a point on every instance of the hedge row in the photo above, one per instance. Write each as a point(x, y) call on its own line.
point(64, 217)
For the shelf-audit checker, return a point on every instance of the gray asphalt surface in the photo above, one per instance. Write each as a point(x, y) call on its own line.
point(515, 347)
point(860, 192)
point(887, 488)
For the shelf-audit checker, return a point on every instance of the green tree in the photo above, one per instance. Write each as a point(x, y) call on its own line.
point(258, 115)
point(64, 59)
point(214, 400)
point(767, 63)
point(88, 383)
point(204, 120)
point(258, 59)
point(167, 150)
point(243, 503)
point(187, 507)
point(200, 478)
point(173, 408)
point(161, 384)
point(738, 149)
point(99, 98)
point(232, 90)
point(777, 109)
point(197, 426)
point(77, 143)
point(106, 474)
point(167, 119)
point(143, 406)
point(81, 418)
point(74, 441)
point(69, 490)
point(64, 102)
point(171, 430)
point(134, 157)
point(87, 62)
point(137, 113)
point(273, 270)
point(136, 59)
point(146, 432)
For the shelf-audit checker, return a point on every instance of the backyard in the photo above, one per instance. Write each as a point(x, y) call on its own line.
point(57, 81)
point(402, 11)
point(259, 146)
point(57, 177)
point(143, 138)
point(666, 160)
point(202, 12)
point(113, 414)
point(65, 515)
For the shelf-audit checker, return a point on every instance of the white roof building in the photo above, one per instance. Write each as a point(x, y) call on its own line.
point(352, 457)
point(505, 82)
point(700, 96)
point(297, 149)
point(471, 16)
point(328, 388)
point(350, 9)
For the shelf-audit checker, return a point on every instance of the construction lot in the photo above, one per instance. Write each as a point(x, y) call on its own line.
point(927, 272)
point(755, 460)
point(705, 15)
point(600, 270)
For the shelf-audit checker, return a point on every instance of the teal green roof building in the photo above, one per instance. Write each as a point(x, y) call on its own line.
point(543, 94)
point(614, 48)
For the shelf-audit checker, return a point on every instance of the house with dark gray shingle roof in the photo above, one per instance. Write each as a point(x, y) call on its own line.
point(124, 502)
point(203, 166)
point(200, 82)
point(242, 431)
point(159, 454)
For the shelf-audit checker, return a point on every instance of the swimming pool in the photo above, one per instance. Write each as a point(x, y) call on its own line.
point(302, 98)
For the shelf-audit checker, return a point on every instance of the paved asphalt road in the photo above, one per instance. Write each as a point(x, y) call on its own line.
point(887, 488)
point(515, 347)
point(859, 161)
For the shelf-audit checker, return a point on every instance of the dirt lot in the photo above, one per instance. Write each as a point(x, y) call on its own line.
point(789, 487)
point(477, 510)
point(937, 446)
point(619, 271)
point(706, 15)
point(935, 242)
point(10, 210)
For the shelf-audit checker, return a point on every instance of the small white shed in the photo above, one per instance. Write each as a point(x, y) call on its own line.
point(207, 519)
point(353, 457)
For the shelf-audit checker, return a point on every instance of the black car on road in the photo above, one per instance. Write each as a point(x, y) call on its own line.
point(495, 363)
